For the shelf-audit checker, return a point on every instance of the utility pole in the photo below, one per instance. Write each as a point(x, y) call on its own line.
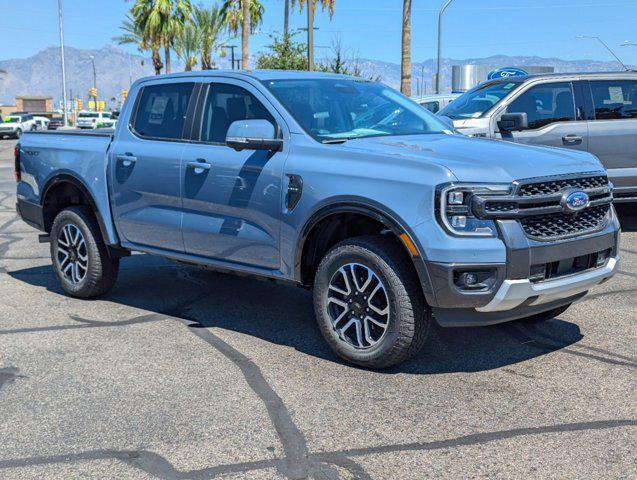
point(286, 18)
point(438, 75)
point(66, 118)
point(94, 81)
point(605, 46)
point(310, 35)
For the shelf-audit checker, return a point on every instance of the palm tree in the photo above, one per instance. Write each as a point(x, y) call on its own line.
point(133, 35)
point(405, 63)
point(329, 4)
point(161, 21)
point(233, 12)
point(187, 44)
point(209, 23)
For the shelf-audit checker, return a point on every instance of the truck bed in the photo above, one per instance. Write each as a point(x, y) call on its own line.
point(49, 157)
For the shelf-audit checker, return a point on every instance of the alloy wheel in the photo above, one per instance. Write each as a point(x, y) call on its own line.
point(72, 254)
point(358, 306)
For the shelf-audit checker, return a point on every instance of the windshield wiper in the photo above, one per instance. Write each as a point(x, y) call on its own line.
point(336, 140)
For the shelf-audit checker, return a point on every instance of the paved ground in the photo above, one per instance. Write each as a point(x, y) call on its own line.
point(180, 373)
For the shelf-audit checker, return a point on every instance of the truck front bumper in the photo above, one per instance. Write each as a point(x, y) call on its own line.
point(513, 290)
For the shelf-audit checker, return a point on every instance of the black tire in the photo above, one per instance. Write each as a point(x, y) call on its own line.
point(18, 133)
point(409, 317)
point(544, 316)
point(101, 272)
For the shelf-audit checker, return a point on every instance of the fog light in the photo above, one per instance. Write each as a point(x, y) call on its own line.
point(455, 198)
point(601, 258)
point(470, 279)
point(459, 221)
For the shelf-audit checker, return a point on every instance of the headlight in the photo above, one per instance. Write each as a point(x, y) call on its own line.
point(456, 214)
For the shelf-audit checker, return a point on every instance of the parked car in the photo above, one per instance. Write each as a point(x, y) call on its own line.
point(91, 120)
point(593, 112)
point(15, 125)
point(393, 220)
point(55, 123)
point(435, 102)
point(42, 123)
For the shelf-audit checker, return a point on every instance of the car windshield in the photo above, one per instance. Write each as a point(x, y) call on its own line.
point(478, 101)
point(88, 115)
point(333, 110)
point(12, 119)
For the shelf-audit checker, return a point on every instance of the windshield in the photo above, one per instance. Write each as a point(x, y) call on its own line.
point(478, 101)
point(12, 119)
point(341, 109)
point(88, 115)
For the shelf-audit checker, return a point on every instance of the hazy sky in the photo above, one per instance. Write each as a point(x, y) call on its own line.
point(368, 28)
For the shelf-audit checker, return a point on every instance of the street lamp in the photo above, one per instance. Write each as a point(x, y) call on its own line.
point(442, 11)
point(605, 46)
point(628, 44)
point(92, 57)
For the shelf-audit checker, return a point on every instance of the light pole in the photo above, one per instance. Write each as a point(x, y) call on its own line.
point(442, 11)
point(605, 46)
point(92, 57)
point(310, 35)
point(65, 116)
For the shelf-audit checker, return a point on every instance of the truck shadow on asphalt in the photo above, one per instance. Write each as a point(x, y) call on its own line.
point(283, 315)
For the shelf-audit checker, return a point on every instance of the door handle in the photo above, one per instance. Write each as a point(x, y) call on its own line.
point(571, 139)
point(127, 159)
point(199, 166)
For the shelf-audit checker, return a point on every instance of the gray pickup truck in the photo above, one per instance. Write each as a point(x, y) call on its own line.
point(332, 183)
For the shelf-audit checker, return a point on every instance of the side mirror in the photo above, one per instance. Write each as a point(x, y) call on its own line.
point(253, 135)
point(511, 122)
point(447, 121)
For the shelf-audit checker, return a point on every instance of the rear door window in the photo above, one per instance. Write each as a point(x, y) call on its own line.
point(161, 111)
point(614, 99)
point(545, 104)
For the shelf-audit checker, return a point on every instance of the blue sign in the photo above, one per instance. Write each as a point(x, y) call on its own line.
point(507, 72)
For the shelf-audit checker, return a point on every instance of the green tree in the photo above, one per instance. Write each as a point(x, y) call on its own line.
point(233, 12)
point(133, 35)
point(283, 54)
point(187, 45)
point(210, 23)
point(161, 21)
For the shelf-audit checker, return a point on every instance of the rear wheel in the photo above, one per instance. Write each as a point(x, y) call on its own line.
point(18, 133)
point(544, 316)
point(368, 302)
point(80, 257)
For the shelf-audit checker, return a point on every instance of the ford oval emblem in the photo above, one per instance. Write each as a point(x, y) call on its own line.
point(506, 73)
point(574, 201)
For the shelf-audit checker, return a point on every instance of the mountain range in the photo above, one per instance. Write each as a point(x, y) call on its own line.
point(40, 74)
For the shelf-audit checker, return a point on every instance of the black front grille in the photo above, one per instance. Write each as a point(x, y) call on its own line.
point(555, 186)
point(556, 225)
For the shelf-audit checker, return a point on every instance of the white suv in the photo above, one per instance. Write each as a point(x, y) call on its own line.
point(16, 124)
point(92, 119)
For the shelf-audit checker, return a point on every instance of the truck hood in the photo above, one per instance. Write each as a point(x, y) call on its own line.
point(479, 160)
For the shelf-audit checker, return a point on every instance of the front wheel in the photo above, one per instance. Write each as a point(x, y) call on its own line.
point(80, 258)
point(18, 133)
point(368, 302)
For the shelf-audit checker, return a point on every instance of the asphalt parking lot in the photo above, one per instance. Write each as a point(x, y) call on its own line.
point(183, 373)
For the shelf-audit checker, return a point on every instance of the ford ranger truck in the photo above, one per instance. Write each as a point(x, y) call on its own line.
point(333, 183)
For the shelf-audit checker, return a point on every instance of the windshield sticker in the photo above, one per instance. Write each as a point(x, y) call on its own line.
point(509, 86)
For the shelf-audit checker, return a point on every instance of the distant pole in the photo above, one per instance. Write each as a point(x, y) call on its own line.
point(442, 11)
point(286, 18)
point(130, 71)
point(66, 118)
point(94, 81)
point(310, 35)
point(605, 46)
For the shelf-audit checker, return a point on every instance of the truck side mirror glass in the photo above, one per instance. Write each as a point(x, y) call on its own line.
point(253, 134)
point(512, 122)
